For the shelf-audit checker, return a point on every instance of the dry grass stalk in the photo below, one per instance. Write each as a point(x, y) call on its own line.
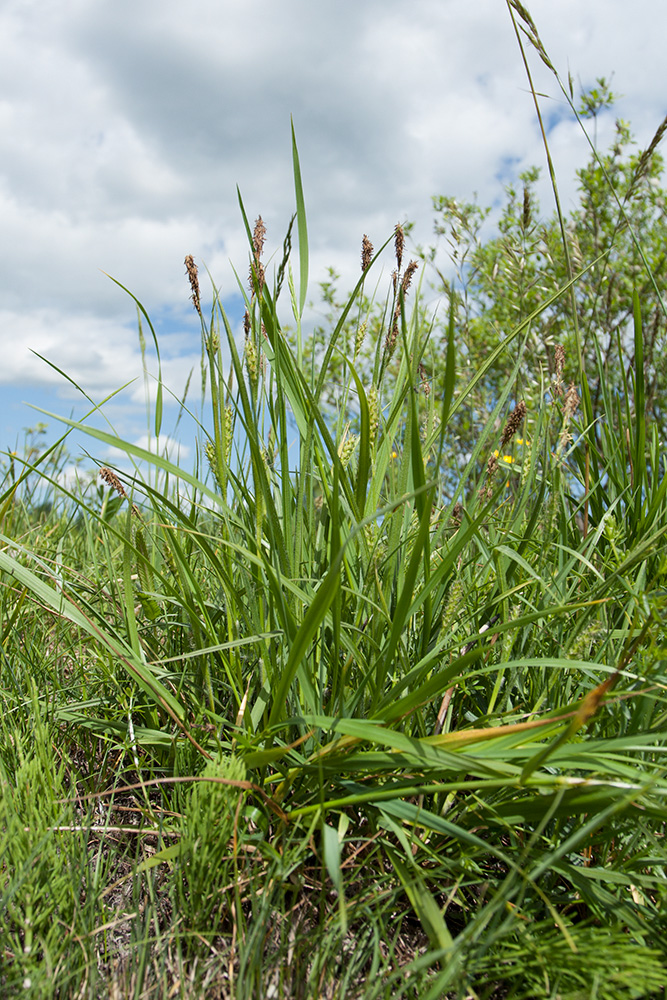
point(645, 158)
point(575, 247)
point(531, 33)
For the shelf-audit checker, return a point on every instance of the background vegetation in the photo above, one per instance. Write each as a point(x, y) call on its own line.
point(371, 702)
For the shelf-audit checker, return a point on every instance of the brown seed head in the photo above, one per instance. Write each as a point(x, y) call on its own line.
point(571, 401)
point(513, 422)
point(407, 277)
point(559, 361)
point(424, 383)
point(399, 244)
point(246, 323)
point(112, 480)
point(569, 408)
point(392, 337)
point(526, 208)
point(191, 270)
point(257, 275)
point(258, 238)
point(559, 364)
point(366, 254)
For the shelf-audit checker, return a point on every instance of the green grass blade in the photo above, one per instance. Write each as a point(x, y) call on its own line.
point(302, 227)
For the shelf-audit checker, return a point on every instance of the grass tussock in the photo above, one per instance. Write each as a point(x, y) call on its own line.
point(371, 702)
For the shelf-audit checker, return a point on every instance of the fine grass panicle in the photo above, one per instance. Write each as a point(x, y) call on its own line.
point(371, 702)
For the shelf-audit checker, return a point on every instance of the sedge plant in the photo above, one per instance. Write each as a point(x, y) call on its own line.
point(344, 711)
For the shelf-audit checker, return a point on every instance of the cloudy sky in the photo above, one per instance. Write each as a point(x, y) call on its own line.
point(126, 126)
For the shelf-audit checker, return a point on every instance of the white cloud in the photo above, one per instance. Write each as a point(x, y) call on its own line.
point(125, 127)
point(163, 445)
point(99, 355)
